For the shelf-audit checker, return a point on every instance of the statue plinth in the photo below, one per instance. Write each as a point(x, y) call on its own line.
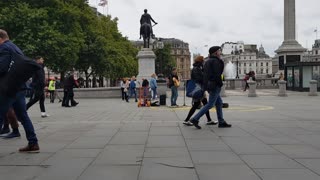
point(146, 58)
point(290, 46)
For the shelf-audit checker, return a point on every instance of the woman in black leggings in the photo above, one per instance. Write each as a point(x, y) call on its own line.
point(197, 76)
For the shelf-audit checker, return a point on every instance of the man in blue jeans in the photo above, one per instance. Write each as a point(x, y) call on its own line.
point(174, 89)
point(212, 82)
point(18, 102)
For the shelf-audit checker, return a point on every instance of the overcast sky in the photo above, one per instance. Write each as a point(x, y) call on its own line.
point(213, 22)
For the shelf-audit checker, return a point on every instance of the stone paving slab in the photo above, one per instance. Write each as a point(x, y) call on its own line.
point(271, 138)
point(286, 174)
point(99, 172)
point(226, 172)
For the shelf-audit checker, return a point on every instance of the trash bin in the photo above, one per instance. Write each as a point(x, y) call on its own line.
point(163, 98)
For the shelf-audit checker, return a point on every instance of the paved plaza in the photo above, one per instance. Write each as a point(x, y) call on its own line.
point(272, 138)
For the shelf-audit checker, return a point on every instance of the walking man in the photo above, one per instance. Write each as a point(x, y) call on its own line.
point(212, 82)
point(38, 84)
point(18, 101)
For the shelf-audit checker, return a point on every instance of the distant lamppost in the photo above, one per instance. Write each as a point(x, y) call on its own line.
point(160, 46)
point(237, 76)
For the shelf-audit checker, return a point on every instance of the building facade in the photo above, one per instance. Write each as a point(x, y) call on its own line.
point(232, 48)
point(250, 59)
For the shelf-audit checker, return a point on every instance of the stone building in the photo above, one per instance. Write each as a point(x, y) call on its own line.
point(313, 55)
point(250, 59)
point(232, 47)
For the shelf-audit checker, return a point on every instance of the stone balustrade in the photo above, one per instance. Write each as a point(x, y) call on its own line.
point(261, 83)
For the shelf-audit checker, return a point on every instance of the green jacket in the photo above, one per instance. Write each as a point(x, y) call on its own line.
point(52, 85)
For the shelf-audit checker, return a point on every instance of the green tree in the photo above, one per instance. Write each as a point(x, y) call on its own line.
point(164, 60)
point(69, 34)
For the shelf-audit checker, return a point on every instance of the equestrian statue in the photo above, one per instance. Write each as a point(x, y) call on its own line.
point(146, 28)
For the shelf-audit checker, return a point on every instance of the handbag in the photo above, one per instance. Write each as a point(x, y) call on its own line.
point(176, 82)
point(194, 90)
point(20, 70)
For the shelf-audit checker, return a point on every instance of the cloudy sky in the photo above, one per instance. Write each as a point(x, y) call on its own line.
point(213, 22)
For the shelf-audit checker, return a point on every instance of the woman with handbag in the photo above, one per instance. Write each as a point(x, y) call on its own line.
point(197, 77)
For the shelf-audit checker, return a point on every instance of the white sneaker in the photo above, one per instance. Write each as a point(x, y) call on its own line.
point(43, 115)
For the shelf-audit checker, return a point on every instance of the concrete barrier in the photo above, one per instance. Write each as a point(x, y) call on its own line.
point(282, 88)
point(107, 92)
point(313, 88)
point(252, 89)
point(223, 90)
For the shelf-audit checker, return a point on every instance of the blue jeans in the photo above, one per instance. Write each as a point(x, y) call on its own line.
point(214, 100)
point(174, 95)
point(133, 91)
point(19, 105)
point(154, 94)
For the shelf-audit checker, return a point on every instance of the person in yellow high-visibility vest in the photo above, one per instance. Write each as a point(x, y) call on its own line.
point(51, 89)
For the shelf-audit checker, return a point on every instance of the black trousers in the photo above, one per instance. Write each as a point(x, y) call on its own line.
point(52, 96)
point(194, 107)
point(68, 96)
point(38, 95)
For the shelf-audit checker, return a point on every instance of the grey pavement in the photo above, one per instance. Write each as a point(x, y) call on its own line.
point(272, 138)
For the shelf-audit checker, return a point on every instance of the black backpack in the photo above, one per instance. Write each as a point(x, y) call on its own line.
point(20, 70)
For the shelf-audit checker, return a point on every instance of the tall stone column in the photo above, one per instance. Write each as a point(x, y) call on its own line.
point(289, 20)
point(290, 50)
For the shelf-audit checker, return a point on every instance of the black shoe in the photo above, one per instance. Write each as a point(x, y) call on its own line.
point(225, 105)
point(195, 123)
point(60, 100)
point(4, 130)
point(212, 123)
point(75, 104)
point(224, 125)
point(12, 135)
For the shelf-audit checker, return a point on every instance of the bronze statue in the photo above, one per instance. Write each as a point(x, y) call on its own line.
point(146, 28)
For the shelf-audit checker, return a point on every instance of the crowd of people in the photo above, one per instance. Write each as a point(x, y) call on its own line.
point(207, 73)
point(13, 109)
point(130, 86)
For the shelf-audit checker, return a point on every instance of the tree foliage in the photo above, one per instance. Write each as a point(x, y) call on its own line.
point(69, 34)
point(164, 61)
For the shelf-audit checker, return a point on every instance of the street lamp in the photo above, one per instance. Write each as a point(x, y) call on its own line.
point(160, 45)
point(237, 76)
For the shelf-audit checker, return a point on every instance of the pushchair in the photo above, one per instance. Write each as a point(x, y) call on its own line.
point(144, 98)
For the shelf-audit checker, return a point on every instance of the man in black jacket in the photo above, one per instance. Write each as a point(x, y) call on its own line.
point(69, 84)
point(212, 82)
point(38, 84)
point(18, 101)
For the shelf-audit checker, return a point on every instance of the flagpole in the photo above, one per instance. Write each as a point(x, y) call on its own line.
point(97, 5)
point(108, 8)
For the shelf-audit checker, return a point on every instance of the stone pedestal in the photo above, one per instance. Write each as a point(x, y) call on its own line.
point(282, 88)
point(146, 59)
point(223, 90)
point(313, 88)
point(252, 89)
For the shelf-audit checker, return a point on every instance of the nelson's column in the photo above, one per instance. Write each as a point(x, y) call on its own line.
point(290, 50)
